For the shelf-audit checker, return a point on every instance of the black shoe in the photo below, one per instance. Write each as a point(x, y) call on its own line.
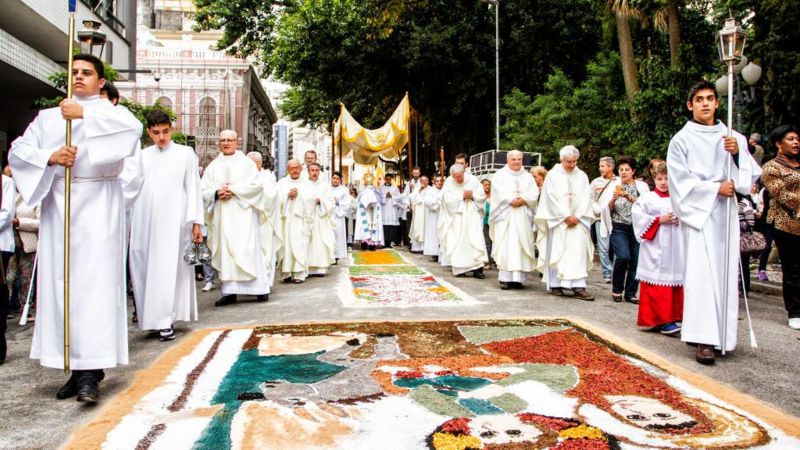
point(335, 262)
point(478, 274)
point(364, 246)
point(226, 300)
point(287, 280)
point(516, 285)
point(557, 292)
point(372, 248)
point(435, 259)
point(262, 298)
point(70, 388)
point(461, 275)
point(88, 386)
point(633, 300)
point(504, 286)
point(167, 334)
point(3, 347)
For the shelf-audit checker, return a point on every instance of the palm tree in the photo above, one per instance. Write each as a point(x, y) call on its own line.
point(623, 12)
point(667, 19)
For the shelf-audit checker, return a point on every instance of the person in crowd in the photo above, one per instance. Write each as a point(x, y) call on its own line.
point(514, 195)
point(103, 136)
point(403, 205)
point(462, 159)
point(747, 224)
point(369, 217)
point(432, 202)
point(411, 187)
point(110, 93)
point(661, 258)
point(6, 250)
point(697, 160)
point(650, 176)
point(463, 198)
point(269, 222)
point(235, 201)
point(295, 205)
point(310, 157)
point(625, 192)
point(390, 198)
point(26, 241)
point(563, 218)
point(209, 274)
point(603, 190)
point(782, 180)
point(351, 216)
point(163, 284)
point(756, 149)
point(417, 231)
point(539, 173)
point(342, 206)
point(322, 225)
point(761, 202)
point(487, 190)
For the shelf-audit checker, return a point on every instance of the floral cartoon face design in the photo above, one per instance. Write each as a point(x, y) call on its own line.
point(503, 429)
point(649, 413)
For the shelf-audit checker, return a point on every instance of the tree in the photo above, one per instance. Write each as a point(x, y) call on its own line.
point(623, 12)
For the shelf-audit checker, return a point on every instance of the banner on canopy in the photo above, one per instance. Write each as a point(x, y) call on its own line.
point(366, 145)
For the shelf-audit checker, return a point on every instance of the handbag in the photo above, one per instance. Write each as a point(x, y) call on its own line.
point(752, 242)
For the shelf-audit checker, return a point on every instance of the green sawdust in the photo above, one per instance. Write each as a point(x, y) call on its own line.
point(385, 270)
point(438, 403)
point(486, 334)
point(509, 403)
point(557, 377)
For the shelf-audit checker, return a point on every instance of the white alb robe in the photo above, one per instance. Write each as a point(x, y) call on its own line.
point(269, 225)
point(98, 324)
point(432, 202)
point(168, 205)
point(294, 227)
point(389, 204)
point(416, 231)
point(444, 224)
point(466, 248)
point(234, 237)
point(321, 225)
point(510, 228)
point(662, 260)
point(696, 162)
point(369, 217)
point(565, 253)
point(342, 206)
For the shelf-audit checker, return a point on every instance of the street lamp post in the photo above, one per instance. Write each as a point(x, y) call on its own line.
point(496, 4)
point(91, 38)
point(750, 73)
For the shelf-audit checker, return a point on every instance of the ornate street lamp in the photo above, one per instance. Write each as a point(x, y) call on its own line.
point(91, 38)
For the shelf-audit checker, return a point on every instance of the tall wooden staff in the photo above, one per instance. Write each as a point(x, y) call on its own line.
point(441, 158)
point(67, 187)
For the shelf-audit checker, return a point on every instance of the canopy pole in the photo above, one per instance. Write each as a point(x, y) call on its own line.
point(408, 149)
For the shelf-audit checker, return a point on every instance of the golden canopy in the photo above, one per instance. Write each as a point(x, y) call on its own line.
point(365, 145)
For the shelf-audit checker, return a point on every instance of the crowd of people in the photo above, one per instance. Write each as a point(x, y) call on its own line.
point(152, 209)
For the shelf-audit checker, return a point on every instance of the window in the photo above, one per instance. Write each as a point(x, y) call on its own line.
point(208, 112)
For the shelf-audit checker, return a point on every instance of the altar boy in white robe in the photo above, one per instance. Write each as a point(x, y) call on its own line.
point(165, 218)
point(343, 205)
point(102, 137)
point(321, 223)
point(465, 201)
point(295, 206)
point(563, 218)
point(417, 230)
point(513, 206)
point(696, 160)
point(390, 198)
point(235, 206)
point(432, 202)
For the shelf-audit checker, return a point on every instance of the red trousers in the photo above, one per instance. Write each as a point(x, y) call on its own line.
point(659, 305)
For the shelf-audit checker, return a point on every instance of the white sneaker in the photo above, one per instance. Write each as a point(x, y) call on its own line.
point(208, 286)
point(794, 323)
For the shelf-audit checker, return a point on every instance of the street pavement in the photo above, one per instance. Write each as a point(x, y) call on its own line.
point(33, 419)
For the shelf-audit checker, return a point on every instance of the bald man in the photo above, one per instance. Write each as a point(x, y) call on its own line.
point(295, 205)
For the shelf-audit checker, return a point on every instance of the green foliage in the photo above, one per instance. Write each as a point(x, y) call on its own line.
point(141, 111)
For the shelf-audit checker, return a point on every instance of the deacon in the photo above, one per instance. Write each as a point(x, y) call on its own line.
point(369, 216)
point(563, 219)
point(432, 201)
point(417, 229)
point(235, 203)
point(513, 206)
point(268, 228)
point(465, 201)
point(165, 219)
point(390, 198)
point(696, 159)
point(295, 206)
point(343, 205)
point(321, 223)
point(102, 137)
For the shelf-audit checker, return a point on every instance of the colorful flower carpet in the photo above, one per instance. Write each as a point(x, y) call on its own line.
point(383, 278)
point(498, 384)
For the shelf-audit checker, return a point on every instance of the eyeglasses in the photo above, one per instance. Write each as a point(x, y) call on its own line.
point(227, 140)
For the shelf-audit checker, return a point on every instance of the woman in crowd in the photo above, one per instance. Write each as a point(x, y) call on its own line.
point(761, 202)
point(747, 224)
point(623, 241)
point(661, 258)
point(781, 177)
point(538, 173)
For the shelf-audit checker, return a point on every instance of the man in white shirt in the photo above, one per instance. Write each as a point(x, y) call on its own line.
point(603, 190)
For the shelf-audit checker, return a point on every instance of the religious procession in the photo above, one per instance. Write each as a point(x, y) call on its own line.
point(393, 286)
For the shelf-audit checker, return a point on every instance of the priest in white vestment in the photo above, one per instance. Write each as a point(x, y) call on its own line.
point(102, 137)
point(369, 216)
point(321, 223)
point(563, 218)
point(390, 198)
point(165, 219)
point(269, 223)
point(343, 203)
point(417, 229)
point(432, 202)
point(465, 201)
point(235, 208)
point(513, 206)
point(696, 160)
point(295, 206)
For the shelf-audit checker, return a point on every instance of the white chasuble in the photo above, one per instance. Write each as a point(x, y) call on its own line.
point(294, 227)
point(369, 217)
point(696, 162)
point(168, 205)
point(416, 231)
point(511, 228)
point(565, 253)
point(342, 206)
point(466, 248)
point(431, 201)
point(98, 324)
point(233, 224)
point(321, 226)
point(269, 225)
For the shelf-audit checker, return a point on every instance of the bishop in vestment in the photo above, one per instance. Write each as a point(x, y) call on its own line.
point(369, 216)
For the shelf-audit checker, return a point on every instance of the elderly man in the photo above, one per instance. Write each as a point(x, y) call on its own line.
point(514, 195)
point(563, 220)
point(295, 205)
point(321, 222)
point(390, 198)
point(235, 202)
point(602, 191)
point(464, 200)
point(270, 237)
